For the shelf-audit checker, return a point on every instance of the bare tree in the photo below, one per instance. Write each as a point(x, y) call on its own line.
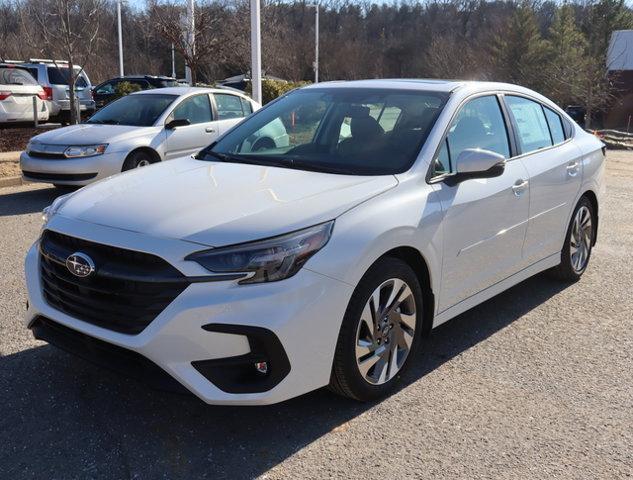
point(66, 29)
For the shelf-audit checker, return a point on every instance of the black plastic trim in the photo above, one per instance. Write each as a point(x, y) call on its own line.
point(64, 177)
point(118, 359)
point(238, 374)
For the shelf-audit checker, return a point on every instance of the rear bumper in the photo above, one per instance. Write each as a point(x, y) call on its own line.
point(23, 113)
point(78, 171)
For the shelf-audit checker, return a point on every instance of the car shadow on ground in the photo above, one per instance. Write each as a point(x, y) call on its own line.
point(62, 416)
point(27, 201)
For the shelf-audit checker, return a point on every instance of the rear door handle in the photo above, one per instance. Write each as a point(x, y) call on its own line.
point(572, 169)
point(209, 130)
point(519, 187)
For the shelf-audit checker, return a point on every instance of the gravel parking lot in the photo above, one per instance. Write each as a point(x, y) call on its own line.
point(536, 383)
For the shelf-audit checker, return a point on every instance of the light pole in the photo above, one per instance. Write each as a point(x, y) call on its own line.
point(316, 40)
point(256, 53)
point(173, 61)
point(118, 14)
point(190, 39)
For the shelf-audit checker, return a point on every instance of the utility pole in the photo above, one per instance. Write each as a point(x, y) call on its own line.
point(256, 52)
point(316, 41)
point(118, 14)
point(190, 39)
point(173, 61)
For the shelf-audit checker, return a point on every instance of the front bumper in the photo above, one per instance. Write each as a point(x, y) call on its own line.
point(209, 325)
point(71, 171)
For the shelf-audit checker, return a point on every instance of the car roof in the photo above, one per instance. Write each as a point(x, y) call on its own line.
point(425, 84)
point(181, 91)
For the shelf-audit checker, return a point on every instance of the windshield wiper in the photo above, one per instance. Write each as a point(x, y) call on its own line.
point(228, 158)
point(108, 121)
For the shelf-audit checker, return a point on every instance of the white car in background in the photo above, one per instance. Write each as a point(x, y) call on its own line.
point(250, 276)
point(137, 130)
point(17, 91)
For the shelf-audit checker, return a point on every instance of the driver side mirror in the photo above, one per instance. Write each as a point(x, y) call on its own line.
point(477, 163)
point(180, 122)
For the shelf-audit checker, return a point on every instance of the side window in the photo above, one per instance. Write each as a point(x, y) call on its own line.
point(196, 109)
point(246, 106)
point(555, 126)
point(229, 106)
point(107, 88)
point(479, 124)
point(530, 122)
point(142, 84)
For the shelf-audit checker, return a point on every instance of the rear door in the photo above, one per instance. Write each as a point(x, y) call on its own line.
point(200, 132)
point(554, 167)
point(230, 110)
point(485, 220)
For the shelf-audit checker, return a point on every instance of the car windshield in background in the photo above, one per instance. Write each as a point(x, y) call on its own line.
point(335, 130)
point(15, 76)
point(138, 110)
point(59, 76)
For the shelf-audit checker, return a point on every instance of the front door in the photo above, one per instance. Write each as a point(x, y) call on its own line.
point(201, 131)
point(485, 220)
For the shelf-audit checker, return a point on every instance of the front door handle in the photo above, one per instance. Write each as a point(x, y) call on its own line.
point(209, 130)
point(519, 187)
point(572, 169)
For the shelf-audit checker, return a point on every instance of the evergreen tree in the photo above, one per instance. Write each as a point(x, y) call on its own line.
point(519, 52)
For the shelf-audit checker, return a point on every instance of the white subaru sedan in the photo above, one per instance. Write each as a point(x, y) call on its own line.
point(252, 275)
point(138, 130)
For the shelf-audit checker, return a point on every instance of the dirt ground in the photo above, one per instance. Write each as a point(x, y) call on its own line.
point(9, 169)
point(16, 138)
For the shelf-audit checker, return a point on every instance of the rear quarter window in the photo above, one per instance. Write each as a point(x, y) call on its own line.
point(59, 76)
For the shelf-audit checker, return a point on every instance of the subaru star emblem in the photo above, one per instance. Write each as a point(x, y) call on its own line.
point(80, 264)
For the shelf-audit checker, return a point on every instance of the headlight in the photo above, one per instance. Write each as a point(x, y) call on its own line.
point(54, 207)
point(267, 260)
point(85, 150)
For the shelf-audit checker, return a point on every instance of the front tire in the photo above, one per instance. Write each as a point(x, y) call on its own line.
point(137, 159)
point(380, 331)
point(578, 243)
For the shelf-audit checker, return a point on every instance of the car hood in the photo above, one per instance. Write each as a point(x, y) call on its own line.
point(216, 204)
point(88, 133)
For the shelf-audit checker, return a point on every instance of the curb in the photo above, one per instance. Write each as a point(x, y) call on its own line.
point(11, 181)
point(10, 156)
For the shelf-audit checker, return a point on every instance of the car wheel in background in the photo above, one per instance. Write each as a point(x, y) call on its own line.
point(380, 331)
point(578, 243)
point(137, 160)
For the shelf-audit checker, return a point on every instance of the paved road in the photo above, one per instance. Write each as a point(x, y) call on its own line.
point(536, 383)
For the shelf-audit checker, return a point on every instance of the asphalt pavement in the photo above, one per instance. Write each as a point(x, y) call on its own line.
point(536, 383)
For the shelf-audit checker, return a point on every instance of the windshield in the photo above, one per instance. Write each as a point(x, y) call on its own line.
point(138, 110)
point(335, 130)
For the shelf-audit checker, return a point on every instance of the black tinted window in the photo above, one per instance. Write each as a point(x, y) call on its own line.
point(15, 76)
point(59, 76)
point(140, 110)
point(555, 126)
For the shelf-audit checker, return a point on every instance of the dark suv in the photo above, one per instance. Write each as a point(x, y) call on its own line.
point(105, 92)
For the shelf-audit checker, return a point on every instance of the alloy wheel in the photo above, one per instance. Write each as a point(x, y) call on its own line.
point(142, 163)
point(385, 333)
point(581, 238)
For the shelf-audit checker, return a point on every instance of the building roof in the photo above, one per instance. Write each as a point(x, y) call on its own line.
point(620, 53)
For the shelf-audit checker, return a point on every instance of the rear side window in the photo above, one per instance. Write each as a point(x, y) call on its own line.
point(555, 126)
point(246, 106)
point(229, 106)
point(59, 76)
point(530, 123)
point(15, 76)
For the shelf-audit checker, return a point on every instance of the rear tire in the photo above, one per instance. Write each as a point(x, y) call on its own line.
point(578, 243)
point(138, 159)
point(376, 345)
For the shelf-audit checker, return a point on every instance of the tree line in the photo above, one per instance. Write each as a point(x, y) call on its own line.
point(556, 48)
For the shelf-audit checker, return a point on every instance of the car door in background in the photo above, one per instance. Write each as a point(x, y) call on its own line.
point(230, 109)
point(200, 132)
point(104, 93)
point(485, 220)
point(554, 168)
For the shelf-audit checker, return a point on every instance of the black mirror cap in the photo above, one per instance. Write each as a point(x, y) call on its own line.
point(181, 122)
point(494, 171)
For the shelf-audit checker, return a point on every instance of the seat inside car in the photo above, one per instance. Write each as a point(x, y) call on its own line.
point(366, 133)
